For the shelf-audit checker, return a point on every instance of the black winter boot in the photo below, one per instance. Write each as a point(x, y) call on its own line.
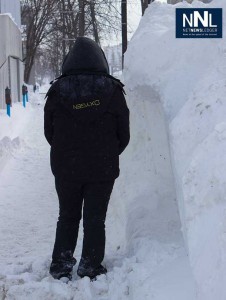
point(62, 267)
point(84, 269)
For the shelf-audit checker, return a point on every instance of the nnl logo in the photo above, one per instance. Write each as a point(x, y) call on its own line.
point(195, 18)
point(199, 23)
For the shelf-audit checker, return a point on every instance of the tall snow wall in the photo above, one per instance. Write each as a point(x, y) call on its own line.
point(176, 94)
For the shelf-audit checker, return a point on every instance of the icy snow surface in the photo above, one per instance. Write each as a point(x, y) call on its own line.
point(176, 93)
point(141, 266)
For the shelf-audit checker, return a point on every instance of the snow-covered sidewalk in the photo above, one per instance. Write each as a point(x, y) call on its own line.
point(28, 215)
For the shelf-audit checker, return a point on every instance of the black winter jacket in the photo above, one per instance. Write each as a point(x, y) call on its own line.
point(86, 122)
point(86, 118)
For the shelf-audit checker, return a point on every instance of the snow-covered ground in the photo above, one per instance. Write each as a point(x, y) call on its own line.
point(11, 130)
point(159, 269)
point(176, 93)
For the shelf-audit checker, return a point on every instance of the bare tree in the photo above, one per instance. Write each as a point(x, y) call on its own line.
point(93, 18)
point(81, 17)
point(36, 16)
point(53, 25)
point(144, 5)
point(124, 28)
point(94, 21)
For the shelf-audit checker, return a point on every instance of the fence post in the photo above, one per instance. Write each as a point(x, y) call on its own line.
point(8, 101)
point(26, 94)
point(24, 91)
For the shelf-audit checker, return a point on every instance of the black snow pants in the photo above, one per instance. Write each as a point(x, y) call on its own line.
point(94, 198)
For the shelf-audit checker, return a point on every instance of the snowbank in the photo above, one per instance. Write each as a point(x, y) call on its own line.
point(176, 93)
point(11, 128)
point(7, 148)
point(14, 125)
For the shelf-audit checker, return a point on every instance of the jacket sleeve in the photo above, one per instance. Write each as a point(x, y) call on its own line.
point(49, 110)
point(123, 122)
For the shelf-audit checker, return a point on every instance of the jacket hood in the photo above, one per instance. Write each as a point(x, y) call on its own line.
point(86, 55)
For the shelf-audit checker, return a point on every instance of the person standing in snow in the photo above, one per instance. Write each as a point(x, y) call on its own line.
point(86, 122)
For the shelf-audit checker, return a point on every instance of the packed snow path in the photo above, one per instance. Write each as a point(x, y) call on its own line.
point(28, 215)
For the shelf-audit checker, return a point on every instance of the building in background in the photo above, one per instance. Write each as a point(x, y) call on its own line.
point(11, 65)
point(12, 7)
